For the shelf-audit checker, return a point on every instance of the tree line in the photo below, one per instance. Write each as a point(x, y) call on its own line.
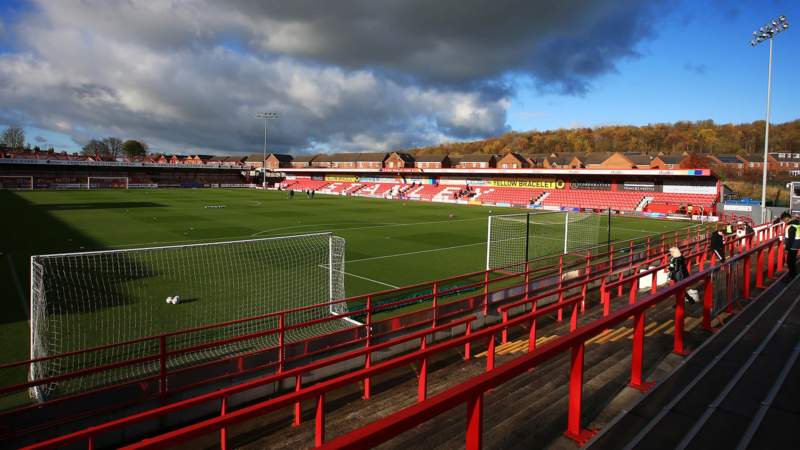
point(670, 138)
point(13, 137)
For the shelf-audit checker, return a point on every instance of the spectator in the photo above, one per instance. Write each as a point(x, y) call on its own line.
point(718, 245)
point(791, 243)
point(678, 271)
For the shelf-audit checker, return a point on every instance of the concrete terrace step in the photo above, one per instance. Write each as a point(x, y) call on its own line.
point(711, 400)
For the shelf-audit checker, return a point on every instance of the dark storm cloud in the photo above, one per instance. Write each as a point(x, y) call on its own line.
point(358, 74)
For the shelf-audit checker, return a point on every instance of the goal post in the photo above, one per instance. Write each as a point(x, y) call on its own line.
point(513, 239)
point(107, 182)
point(93, 299)
point(17, 182)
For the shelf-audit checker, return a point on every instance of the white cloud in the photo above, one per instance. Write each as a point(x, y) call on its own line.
point(349, 75)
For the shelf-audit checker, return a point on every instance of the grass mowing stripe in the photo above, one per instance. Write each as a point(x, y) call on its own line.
point(18, 285)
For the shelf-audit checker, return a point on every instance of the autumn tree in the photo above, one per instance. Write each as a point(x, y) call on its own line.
point(14, 137)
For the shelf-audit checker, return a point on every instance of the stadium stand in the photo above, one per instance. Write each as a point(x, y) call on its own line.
point(588, 199)
point(604, 361)
point(514, 196)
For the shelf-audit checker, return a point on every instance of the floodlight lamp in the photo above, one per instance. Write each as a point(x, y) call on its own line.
point(785, 25)
point(782, 18)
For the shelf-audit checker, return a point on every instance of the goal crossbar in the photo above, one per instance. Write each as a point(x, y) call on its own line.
point(94, 298)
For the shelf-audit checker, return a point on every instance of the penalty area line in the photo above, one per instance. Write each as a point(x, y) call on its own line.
point(325, 266)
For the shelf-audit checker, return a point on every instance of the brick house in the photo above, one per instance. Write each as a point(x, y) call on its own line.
point(785, 161)
point(536, 159)
point(371, 160)
point(277, 160)
point(562, 161)
point(477, 161)
point(513, 160)
point(399, 160)
point(756, 162)
point(301, 161)
point(664, 162)
point(433, 161)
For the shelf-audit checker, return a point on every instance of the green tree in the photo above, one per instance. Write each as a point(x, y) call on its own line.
point(132, 148)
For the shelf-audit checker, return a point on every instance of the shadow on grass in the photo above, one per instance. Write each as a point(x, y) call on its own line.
point(97, 205)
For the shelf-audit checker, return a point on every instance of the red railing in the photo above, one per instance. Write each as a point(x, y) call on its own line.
point(470, 392)
point(163, 354)
point(439, 317)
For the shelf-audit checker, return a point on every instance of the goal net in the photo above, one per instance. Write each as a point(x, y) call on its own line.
point(513, 239)
point(87, 300)
point(16, 182)
point(106, 182)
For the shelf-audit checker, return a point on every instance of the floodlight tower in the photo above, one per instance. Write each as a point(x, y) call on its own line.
point(266, 116)
point(768, 32)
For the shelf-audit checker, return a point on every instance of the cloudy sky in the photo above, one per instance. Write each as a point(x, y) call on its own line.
point(360, 75)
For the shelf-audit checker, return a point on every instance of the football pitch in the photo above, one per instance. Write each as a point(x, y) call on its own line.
point(388, 243)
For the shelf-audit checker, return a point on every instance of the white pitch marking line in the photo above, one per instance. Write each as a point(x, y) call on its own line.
point(415, 253)
point(370, 279)
point(378, 226)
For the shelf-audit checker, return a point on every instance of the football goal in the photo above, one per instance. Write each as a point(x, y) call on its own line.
point(513, 239)
point(93, 299)
point(106, 182)
point(19, 182)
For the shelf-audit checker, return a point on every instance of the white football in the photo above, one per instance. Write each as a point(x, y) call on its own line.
point(169, 300)
point(176, 299)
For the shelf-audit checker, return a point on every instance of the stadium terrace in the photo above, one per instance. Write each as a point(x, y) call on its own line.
point(622, 182)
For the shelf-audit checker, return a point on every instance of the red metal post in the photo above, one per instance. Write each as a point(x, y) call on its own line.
point(573, 320)
point(368, 356)
point(490, 353)
point(619, 288)
point(162, 365)
point(298, 413)
point(435, 302)
point(574, 430)
point(319, 425)
point(422, 391)
point(679, 316)
point(637, 354)
point(648, 247)
point(504, 333)
point(486, 294)
point(632, 293)
point(605, 298)
point(771, 261)
point(760, 268)
point(467, 332)
point(474, 422)
point(653, 282)
point(532, 334)
point(223, 432)
point(281, 334)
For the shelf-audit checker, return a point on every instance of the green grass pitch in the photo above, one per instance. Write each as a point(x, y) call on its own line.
point(389, 243)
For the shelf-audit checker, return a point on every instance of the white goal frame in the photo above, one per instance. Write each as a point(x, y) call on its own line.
point(30, 177)
point(526, 220)
point(89, 181)
point(43, 343)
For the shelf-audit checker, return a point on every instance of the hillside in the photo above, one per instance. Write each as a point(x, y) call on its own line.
point(693, 137)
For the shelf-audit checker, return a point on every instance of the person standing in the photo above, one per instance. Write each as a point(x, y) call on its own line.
point(678, 271)
point(791, 242)
point(717, 245)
